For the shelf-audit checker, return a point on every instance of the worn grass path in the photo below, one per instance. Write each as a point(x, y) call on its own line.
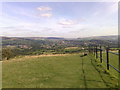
point(68, 71)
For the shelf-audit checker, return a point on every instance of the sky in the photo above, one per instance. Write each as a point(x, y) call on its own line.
point(59, 19)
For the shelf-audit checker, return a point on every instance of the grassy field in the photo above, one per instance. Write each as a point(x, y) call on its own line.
point(67, 71)
point(113, 60)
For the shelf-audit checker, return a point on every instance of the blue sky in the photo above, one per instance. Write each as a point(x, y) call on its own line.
point(59, 19)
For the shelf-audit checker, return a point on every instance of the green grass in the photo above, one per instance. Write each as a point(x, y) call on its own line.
point(70, 71)
point(113, 60)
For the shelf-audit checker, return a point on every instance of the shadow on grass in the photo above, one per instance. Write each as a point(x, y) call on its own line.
point(99, 73)
point(84, 77)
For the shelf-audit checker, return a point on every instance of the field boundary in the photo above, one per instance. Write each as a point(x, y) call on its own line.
point(95, 49)
point(19, 58)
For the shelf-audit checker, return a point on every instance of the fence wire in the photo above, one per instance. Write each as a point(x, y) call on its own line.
point(96, 49)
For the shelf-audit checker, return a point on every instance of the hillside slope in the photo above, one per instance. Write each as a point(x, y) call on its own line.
point(111, 37)
point(69, 71)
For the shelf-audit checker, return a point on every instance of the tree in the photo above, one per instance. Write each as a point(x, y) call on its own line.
point(6, 53)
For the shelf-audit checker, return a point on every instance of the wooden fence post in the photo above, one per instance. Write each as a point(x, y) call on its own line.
point(119, 69)
point(89, 48)
point(107, 52)
point(119, 59)
point(100, 54)
point(96, 53)
point(94, 50)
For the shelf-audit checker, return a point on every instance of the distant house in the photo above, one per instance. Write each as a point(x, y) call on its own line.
point(11, 46)
point(23, 46)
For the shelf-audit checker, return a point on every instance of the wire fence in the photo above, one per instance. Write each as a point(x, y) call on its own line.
point(98, 53)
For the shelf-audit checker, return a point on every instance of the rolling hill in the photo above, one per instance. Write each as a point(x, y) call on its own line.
point(111, 37)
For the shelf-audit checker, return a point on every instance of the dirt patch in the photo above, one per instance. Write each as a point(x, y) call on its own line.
point(21, 58)
point(47, 55)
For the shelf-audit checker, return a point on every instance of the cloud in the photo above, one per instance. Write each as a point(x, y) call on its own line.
point(48, 29)
point(24, 24)
point(80, 20)
point(66, 26)
point(15, 29)
point(43, 8)
point(48, 15)
point(66, 22)
point(7, 27)
point(78, 31)
point(45, 14)
point(69, 22)
point(96, 13)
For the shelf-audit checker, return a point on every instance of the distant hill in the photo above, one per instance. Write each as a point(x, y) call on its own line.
point(54, 38)
point(34, 38)
point(111, 37)
point(38, 38)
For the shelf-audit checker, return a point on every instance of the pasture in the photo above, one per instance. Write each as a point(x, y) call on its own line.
point(62, 71)
point(113, 60)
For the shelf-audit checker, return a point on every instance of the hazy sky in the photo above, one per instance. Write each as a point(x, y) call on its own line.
point(62, 19)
